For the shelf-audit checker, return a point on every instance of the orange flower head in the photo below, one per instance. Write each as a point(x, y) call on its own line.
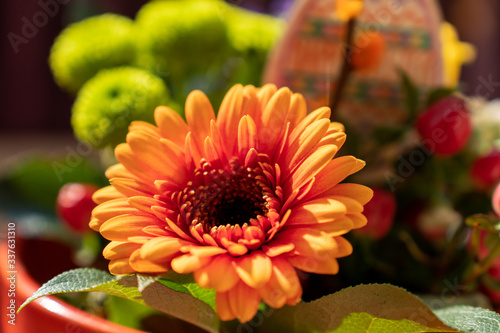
point(238, 200)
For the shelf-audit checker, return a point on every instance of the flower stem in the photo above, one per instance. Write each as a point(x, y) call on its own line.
point(484, 265)
point(336, 94)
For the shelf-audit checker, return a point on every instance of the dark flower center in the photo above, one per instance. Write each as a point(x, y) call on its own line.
point(222, 197)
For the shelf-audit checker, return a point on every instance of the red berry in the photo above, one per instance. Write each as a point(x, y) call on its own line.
point(74, 205)
point(495, 200)
point(380, 213)
point(485, 171)
point(445, 127)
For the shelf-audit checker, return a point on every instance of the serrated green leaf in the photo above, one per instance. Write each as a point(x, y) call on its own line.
point(87, 279)
point(470, 319)
point(156, 295)
point(366, 323)
point(381, 301)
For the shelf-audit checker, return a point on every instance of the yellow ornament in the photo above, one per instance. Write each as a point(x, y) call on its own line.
point(455, 54)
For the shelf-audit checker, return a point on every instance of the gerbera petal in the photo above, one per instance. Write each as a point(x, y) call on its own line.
point(303, 144)
point(313, 265)
point(247, 133)
point(219, 275)
point(223, 307)
point(336, 228)
point(139, 169)
point(120, 227)
point(321, 113)
point(264, 95)
point(283, 285)
point(161, 247)
point(244, 302)
point(360, 193)
point(309, 242)
point(119, 171)
point(359, 220)
point(171, 125)
point(130, 187)
point(117, 250)
point(229, 116)
point(120, 267)
point(189, 263)
point(142, 265)
point(199, 113)
point(320, 210)
point(254, 269)
point(310, 167)
point(298, 110)
point(112, 208)
point(158, 157)
point(275, 248)
point(333, 173)
point(274, 119)
point(250, 105)
point(345, 248)
point(106, 193)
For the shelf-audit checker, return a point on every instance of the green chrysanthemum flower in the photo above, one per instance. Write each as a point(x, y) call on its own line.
point(110, 101)
point(181, 37)
point(86, 47)
point(251, 36)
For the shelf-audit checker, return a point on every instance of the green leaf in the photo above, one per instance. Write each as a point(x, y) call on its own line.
point(366, 323)
point(411, 95)
point(439, 93)
point(125, 312)
point(470, 319)
point(184, 283)
point(156, 295)
point(87, 279)
point(366, 303)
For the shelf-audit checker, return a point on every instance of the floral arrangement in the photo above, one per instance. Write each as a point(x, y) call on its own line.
point(259, 215)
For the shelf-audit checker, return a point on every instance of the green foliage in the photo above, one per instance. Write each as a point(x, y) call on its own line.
point(364, 308)
point(185, 284)
point(125, 312)
point(470, 319)
point(439, 93)
point(366, 323)
point(179, 36)
point(110, 101)
point(36, 180)
point(411, 95)
point(156, 295)
point(86, 47)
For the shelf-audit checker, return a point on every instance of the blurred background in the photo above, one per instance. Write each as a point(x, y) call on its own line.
point(33, 103)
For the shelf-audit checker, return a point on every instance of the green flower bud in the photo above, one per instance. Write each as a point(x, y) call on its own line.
point(85, 47)
point(110, 101)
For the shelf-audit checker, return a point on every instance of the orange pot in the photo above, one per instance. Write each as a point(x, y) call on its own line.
point(46, 314)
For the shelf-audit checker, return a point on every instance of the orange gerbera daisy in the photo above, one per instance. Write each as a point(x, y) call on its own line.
point(238, 200)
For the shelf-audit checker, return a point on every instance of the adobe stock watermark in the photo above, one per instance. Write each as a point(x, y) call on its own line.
point(30, 26)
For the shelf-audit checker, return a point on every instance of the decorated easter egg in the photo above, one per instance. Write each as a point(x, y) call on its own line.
point(311, 55)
